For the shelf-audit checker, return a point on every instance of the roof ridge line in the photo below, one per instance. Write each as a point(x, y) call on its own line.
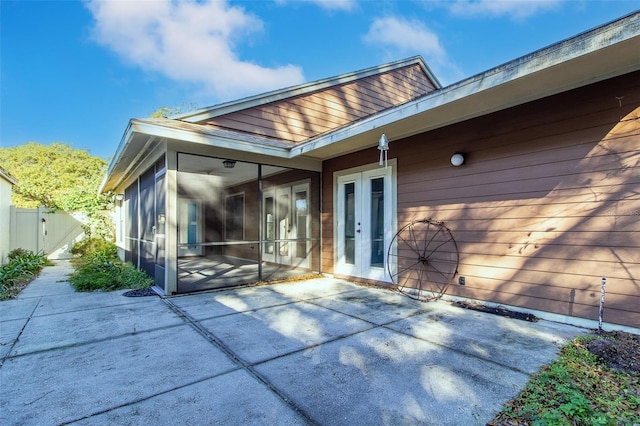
point(303, 88)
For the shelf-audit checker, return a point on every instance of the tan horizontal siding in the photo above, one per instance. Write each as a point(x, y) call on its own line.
point(568, 256)
point(487, 161)
point(576, 205)
point(577, 274)
point(582, 293)
point(616, 312)
point(584, 239)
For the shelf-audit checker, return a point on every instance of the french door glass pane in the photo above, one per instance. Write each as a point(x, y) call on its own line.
point(284, 227)
point(350, 223)
point(377, 222)
point(301, 224)
point(269, 225)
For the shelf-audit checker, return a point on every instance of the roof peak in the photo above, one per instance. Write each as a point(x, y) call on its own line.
point(304, 88)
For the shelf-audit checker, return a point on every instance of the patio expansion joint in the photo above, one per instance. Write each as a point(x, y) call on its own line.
point(87, 342)
point(242, 364)
point(148, 397)
point(91, 308)
point(17, 339)
point(230, 314)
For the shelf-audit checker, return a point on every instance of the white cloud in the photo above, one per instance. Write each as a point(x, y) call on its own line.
point(401, 37)
point(404, 35)
point(336, 4)
point(190, 42)
point(344, 5)
point(517, 9)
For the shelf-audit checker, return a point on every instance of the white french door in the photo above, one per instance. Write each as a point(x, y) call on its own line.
point(287, 225)
point(189, 227)
point(283, 225)
point(301, 216)
point(269, 226)
point(364, 223)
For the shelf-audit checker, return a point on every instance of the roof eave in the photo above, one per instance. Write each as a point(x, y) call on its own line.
point(598, 54)
point(7, 176)
point(145, 132)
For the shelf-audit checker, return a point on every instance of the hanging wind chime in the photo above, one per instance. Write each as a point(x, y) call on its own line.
point(383, 146)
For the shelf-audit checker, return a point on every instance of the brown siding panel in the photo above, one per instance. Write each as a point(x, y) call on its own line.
point(547, 202)
point(300, 118)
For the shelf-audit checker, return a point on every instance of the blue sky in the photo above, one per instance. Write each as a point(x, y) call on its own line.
point(76, 72)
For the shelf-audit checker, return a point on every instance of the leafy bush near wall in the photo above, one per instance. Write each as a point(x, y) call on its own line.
point(100, 268)
point(22, 267)
point(89, 246)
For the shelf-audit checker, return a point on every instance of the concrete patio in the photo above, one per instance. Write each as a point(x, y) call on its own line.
point(322, 351)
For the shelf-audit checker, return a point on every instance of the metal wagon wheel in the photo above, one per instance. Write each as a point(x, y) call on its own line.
point(423, 259)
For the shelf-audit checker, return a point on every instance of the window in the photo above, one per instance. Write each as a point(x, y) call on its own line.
point(234, 217)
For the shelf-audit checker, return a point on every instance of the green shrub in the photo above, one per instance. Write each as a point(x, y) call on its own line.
point(89, 246)
point(131, 277)
point(100, 268)
point(16, 253)
point(22, 267)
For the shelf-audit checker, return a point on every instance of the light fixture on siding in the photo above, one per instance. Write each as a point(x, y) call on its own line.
point(229, 164)
point(457, 159)
point(383, 146)
point(119, 197)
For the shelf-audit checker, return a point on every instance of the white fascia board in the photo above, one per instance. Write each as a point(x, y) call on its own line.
point(293, 91)
point(141, 155)
point(429, 73)
point(6, 176)
point(220, 141)
point(124, 142)
point(592, 41)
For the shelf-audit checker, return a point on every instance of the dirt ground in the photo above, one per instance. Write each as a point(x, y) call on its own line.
point(618, 350)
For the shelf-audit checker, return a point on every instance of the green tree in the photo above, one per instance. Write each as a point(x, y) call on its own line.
point(57, 176)
point(166, 112)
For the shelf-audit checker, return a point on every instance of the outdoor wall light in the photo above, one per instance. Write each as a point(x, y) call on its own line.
point(383, 146)
point(229, 164)
point(457, 159)
point(119, 197)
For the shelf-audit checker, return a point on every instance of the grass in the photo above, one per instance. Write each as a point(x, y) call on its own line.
point(22, 268)
point(576, 389)
point(100, 268)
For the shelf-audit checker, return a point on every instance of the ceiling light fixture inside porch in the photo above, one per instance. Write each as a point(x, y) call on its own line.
point(229, 164)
